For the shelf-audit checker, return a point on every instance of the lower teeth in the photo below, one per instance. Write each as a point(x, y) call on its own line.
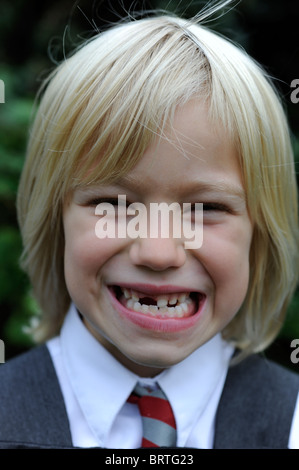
point(178, 311)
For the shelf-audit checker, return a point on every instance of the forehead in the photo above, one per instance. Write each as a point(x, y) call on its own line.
point(190, 149)
point(190, 154)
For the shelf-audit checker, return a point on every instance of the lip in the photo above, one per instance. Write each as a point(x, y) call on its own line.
point(165, 325)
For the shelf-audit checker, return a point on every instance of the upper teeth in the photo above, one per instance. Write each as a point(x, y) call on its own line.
point(182, 302)
point(162, 300)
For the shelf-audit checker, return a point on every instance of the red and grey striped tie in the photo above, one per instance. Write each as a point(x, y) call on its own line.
point(159, 428)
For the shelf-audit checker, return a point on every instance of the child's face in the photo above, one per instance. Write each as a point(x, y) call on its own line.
point(198, 165)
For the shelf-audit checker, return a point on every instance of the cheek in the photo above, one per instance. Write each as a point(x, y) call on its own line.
point(87, 254)
point(84, 263)
point(225, 256)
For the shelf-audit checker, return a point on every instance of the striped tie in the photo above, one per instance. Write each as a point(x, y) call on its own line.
point(159, 428)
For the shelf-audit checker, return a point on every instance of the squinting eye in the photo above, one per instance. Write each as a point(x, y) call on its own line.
point(215, 206)
point(114, 201)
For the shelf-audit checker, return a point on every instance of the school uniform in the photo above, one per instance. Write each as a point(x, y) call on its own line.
point(72, 392)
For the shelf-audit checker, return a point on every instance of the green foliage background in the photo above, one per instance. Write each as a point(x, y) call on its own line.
point(34, 35)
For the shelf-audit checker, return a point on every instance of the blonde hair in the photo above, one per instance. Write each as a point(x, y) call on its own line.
point(109, 98)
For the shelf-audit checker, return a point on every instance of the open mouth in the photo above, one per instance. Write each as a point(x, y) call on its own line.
point(172, 305)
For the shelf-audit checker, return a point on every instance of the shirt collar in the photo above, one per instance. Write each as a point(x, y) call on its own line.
point(91, 368)
point(95, 375)
point(195, 379)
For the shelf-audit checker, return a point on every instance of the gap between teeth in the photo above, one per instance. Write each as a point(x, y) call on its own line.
point(171, 299)
point(161, 309)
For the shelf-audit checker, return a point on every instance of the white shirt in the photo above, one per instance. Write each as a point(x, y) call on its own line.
point(95, 387)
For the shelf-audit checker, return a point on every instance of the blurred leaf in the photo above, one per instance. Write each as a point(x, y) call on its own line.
point(16, 329)
point(12, 279)
point(14, 122)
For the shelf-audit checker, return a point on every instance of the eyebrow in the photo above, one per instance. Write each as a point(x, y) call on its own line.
point(221, 187)
point(194, 187)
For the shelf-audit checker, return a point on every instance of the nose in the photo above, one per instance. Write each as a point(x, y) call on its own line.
point(158, 254)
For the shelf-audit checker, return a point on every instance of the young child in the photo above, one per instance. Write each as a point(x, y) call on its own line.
point(158, 110)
